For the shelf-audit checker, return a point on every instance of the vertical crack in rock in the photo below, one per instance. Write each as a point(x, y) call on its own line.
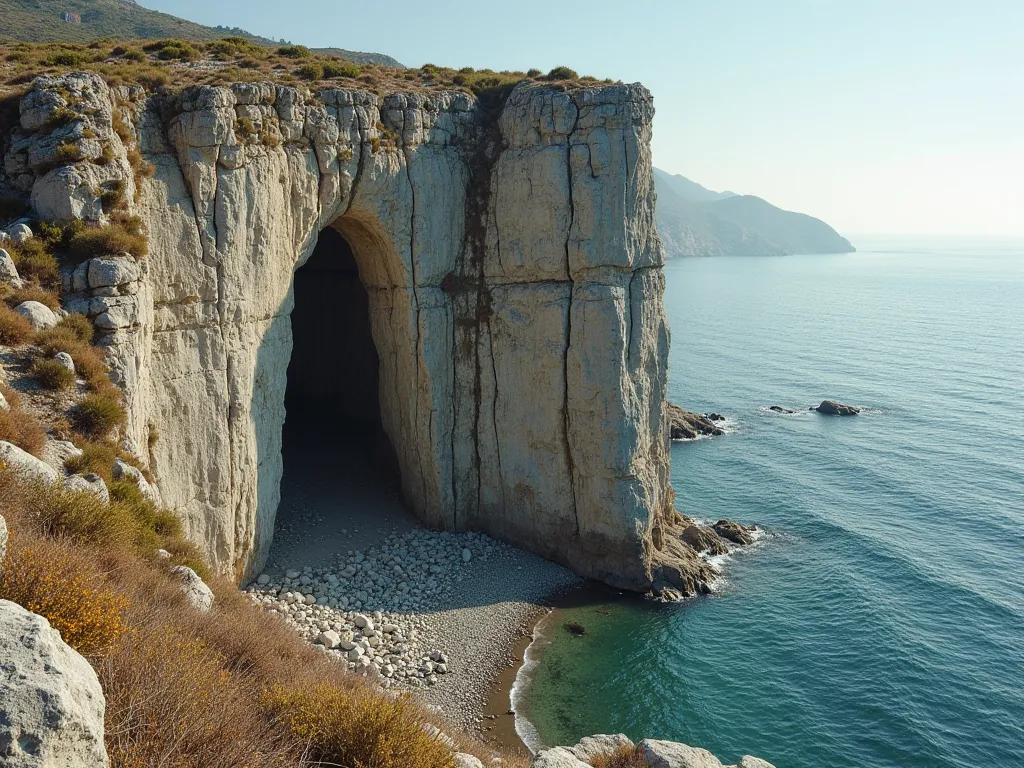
point(566, 426)
point(494, 414)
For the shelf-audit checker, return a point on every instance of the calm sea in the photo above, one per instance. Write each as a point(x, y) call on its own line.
point(881, 621)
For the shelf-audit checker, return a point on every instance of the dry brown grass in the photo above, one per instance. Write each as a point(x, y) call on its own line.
point(214, 689)
point(14, 329)
point(178, 64)
point(623, 757)
point(359, 728)
point(32, 293)
point(22, 429)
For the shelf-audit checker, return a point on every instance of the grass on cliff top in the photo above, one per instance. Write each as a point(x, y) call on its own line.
point(178, 63)
point(232, 687)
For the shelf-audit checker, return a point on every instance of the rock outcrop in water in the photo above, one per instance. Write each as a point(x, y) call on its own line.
point(832, 408)
point(684, 425)
point(651, 753)
point(515, 297)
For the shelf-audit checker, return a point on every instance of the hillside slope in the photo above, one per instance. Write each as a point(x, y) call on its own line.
point(696, 221)
point(42, 21)
point(791, 231)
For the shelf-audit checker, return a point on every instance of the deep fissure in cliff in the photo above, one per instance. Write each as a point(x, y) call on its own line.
point(338, 460)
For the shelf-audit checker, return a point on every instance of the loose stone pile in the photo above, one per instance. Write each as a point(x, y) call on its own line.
point(364, 610)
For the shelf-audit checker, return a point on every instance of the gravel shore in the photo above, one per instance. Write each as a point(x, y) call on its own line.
point(434, 612)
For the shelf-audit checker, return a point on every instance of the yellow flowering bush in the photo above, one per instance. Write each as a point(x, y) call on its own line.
point(360, 730)
point(89, 617)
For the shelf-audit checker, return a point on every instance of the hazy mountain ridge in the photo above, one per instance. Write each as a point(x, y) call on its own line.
point(696, 221)
point(42, 21)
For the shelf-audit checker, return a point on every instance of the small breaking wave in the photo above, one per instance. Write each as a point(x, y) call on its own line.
point(526, 730)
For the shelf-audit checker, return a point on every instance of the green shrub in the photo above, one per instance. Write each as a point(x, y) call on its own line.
point(563, 73)
point(97, 458)
point(312, 71)
point(294, 52)
point(67, 60)
point(35, 261)
point(52, 375)
point(97, 414)
point(334, 69)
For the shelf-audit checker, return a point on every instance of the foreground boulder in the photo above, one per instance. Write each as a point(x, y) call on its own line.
point(832, 408)
point(655, 754)
point(684, 425)
point(51, 704)
point(735, 532)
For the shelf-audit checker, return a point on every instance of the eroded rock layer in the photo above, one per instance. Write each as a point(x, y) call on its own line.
point(515, 288)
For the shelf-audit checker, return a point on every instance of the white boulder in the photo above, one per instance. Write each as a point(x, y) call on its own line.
point(58, 452)
point(329, 639)
point(4, 405)
point(462, 760)
point(26, 465)
point(19, 233)
point(64, 359)
point(51, 703)
point(89, 484)
point(194, 588)
point(3, 541)
point(39, 315)
point(601, 744)
point(122, 470)
point(8, 272)
point(753, 762)
point(559, 757)
point(671, 754)
point(112, 271)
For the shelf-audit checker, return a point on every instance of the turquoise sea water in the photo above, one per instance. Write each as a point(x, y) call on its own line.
point(881, 621)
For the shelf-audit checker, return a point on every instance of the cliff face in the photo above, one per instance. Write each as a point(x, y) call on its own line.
point(515, 293)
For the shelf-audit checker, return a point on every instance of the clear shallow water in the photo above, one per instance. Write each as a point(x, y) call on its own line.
point(882, 622)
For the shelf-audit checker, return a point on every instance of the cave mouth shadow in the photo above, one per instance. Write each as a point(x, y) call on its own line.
point(341, 485)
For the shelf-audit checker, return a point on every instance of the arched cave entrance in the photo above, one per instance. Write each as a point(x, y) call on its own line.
point(340, 489)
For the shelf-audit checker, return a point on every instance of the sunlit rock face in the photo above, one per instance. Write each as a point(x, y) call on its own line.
point(514, 287)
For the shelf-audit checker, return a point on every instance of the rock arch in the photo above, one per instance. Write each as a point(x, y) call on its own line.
point(515, 280)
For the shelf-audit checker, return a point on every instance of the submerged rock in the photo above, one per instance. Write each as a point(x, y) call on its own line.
point(735, 532)
point(684, 425)
point(832, 408)
point(780, 409)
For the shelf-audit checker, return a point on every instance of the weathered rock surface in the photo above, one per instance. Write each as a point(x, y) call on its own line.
point(8, 272)
point(26, 465)
point(463, 760)
point(832, 408)
point(51, 704)
point(3, 541)
point(39, 315)
point(734, 532)
point(194, 588)
point(503, 253)
point(684, 425)
point(90, 483)
point(655, 754)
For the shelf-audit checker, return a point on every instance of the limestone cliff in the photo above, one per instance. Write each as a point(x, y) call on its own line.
point(515, 293)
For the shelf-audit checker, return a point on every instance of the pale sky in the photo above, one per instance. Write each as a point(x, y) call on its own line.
point(878, 116)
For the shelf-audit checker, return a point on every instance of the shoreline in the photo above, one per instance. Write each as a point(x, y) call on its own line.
point(506, 726)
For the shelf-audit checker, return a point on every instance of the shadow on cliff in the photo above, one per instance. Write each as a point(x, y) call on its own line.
point(341, 490)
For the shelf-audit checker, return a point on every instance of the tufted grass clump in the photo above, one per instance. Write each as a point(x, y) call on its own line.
point(35, 261)
point(96, 458)
point(65, 154)
point(97, 414)
point(21, 428)
point(15, 330)
point(124, 234)
point(52, 375)
point(50, 580)
point(32, 293)
point(359, 730)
